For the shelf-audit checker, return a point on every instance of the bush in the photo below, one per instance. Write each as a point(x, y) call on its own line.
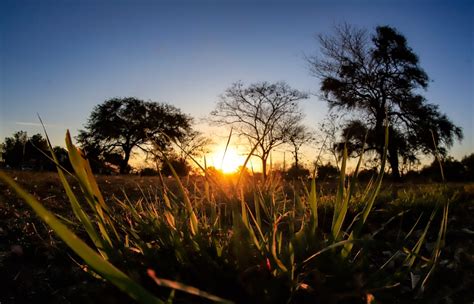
point(148, 172)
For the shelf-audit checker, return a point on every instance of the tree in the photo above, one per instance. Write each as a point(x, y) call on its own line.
point(328, 130)
point(120, 125)
point(327, 172)
point(453, 170)
point(379, 80)
point(299, 136)
point(265, 114)
point(179, 164)
point(295, 172)
point(193, 144)
point(62, 157)
point(14, 149)
point(468, 163)
point(21, 151)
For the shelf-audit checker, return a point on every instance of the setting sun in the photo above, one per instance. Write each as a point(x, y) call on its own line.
point(230, 162)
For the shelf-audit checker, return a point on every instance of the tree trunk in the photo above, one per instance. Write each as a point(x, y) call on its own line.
point(296, 158)
point(393, 160)
point(380, 133)
point(124, 162)
point(264, 167)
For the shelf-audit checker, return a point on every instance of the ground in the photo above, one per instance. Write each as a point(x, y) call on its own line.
point(36, 267)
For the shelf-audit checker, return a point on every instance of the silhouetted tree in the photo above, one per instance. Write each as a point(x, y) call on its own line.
point(379, 79)
point(328, 139)
point(14, 149)
point(120, 125)
point(453, 170)
point(327, 171)
point(148, 172)
point(21, 151)
point(468, 163)
point(180, 166)
point(62, 157)
point(95, 155)
point(297, 172)
point(192, 144)
point(298, 137)
point(265, 114)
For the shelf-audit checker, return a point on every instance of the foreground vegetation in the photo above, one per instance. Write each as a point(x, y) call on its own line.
point(239, 240)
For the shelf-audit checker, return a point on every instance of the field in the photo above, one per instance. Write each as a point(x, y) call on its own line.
point(230, 246)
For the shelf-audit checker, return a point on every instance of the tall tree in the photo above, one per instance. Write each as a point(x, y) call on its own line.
point(264, 113)
point(120, 125)
point(380, 79)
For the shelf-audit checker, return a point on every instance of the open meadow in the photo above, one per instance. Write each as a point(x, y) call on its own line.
point(248, 247)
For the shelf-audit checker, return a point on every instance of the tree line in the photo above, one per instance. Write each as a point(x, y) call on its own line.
point(374, 78)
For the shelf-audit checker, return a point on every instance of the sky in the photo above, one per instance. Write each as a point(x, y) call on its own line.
point(59, 59)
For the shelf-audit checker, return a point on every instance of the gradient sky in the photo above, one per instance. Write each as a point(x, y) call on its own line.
point(61, 58)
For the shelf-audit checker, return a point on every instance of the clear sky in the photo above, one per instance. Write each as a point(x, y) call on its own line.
point(61, 58)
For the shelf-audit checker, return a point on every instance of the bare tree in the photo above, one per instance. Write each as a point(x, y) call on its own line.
point(266, 114)
point(193, 144)
point(328, 139)
point(299, 137)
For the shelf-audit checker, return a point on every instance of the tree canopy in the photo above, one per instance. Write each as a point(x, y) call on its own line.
point(119, 125)
point(379, 80)
point(24, 152)
point(266, 114)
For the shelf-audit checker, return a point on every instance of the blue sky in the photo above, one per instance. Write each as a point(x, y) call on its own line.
point(61, 58)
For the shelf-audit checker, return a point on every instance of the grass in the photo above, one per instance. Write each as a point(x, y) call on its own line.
point(203, 239)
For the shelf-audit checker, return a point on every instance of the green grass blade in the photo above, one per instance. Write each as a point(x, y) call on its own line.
point(410, 259)
point(340, 205)
point(92, 258)
point(91, 190)
point(313, 204)
point(193, 221)
point(102, 246)
point(372, 193)
point(274, 247)
point(327, 248)
point(83, 172)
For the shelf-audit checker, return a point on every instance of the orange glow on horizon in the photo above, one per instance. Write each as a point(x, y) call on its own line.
point(230, 162)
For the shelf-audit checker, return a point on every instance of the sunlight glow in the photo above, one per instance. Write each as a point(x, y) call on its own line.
point(231, 162)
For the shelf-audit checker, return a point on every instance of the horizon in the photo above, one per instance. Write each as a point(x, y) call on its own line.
point(61, 59)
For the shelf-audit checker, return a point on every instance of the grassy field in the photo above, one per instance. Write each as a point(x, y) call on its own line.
point(274, 242)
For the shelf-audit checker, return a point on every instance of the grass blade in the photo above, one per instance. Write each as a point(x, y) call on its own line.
point(186, 288)
point(92, 258)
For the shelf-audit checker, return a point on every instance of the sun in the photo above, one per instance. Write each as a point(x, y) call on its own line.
point(231, 161)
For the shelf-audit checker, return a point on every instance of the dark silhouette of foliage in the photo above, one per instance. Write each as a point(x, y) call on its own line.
point(297, 172)
point(31, 153)
point(148, 172)
point(327, 172)
point(367, 174)
point(26, 153)
point(453, 170)
point(379, 80)
point(180, 166)
point(265, 114)
point(120, 125)
point(468, 164)
point(62, 157)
